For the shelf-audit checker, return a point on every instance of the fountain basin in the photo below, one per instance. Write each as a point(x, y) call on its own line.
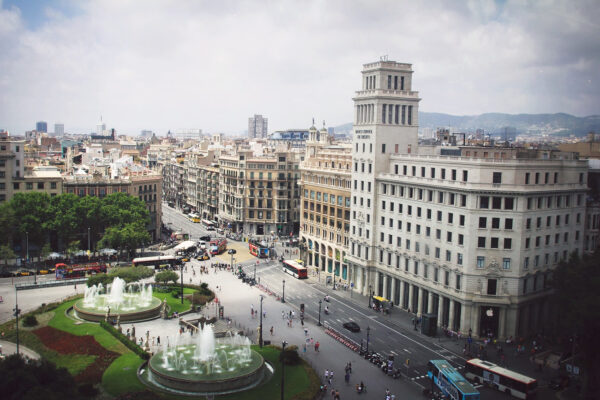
point(193, 377)
point(127, 314)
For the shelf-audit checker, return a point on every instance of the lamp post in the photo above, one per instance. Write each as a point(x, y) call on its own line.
point(319, 323)
point(181, 273)
point(254, 271)
point(283, 344)
point(89, 247)
point(17, 312)
point(369, 295)
point(368, 333)
point(283, 293)
point(260, 328)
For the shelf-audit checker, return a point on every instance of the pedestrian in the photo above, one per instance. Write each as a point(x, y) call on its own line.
point(302, 321)
point(326, 374)
point(271, 331)
point(317, 346)
point(265, 314)
point(330, 375)
point(305, 331)
point(304, 347)
point(158, 340)
point(282, 314)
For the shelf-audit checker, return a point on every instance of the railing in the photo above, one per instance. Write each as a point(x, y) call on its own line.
point(351, 344)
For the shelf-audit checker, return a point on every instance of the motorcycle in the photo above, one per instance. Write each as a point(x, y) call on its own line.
point(326, 299)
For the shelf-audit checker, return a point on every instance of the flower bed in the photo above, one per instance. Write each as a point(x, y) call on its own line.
point(66, 343)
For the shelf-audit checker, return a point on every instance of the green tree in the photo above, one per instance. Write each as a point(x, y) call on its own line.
point(73, 247)
point(35, 380)
point(7, 221)
point(165, 277)
point(129, 237)
point(120, 209)
point(32, 213)
point(6, 253)
point(46, 249)
point(576, 297)
point(63, 221)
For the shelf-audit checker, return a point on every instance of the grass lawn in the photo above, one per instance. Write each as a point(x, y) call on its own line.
point(173, 303)
point(121, 376)
point(74, 363)
point(64, 323)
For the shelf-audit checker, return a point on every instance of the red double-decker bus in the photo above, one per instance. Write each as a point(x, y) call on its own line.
point(64, 271)
point(218, 246)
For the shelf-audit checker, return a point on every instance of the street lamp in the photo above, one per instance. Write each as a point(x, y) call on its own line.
point(368, 333)
point(181, 273)
point(260, 329)
point(319, 323)
point(89, 247)
point(17, 312)
point(283, 344)
point(283, 294)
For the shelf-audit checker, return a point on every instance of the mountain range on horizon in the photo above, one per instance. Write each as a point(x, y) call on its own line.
point(559, 124)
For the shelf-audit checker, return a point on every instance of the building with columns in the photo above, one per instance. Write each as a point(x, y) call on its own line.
point(469, 234)
point(325, 205)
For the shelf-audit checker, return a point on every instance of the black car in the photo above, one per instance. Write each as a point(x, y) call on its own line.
point(352, 326)
point(206, 238)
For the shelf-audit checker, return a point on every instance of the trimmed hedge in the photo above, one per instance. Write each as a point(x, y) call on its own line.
point(128, 274)
point(123, 339)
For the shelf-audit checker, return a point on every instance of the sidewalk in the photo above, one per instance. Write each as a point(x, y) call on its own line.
point(402, 319)
point(238, 298)
point(9, 348)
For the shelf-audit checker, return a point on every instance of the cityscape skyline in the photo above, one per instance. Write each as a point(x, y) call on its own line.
point(136, 77)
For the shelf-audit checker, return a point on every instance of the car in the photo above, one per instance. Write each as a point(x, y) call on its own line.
point(43, 272)
point(203, 257)
point(205, 238)
point(352, 326)
point(185, 259)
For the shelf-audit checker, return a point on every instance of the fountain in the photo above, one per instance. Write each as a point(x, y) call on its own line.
point(203, 364)
point(133, 302)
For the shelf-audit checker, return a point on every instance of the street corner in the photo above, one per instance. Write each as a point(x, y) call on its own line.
point(242, 254)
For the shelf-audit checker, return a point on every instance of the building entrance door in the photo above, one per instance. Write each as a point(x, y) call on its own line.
point(489, 319)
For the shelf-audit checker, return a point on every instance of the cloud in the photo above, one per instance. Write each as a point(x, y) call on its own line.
point(211, 65)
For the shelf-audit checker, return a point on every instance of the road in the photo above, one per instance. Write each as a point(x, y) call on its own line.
point(411, 350)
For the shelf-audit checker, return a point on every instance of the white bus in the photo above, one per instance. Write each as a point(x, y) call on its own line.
point(209, 225)
point(502, 379)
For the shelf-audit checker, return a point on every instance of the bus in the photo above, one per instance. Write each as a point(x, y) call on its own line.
point(194, 217)
point(450, 382)
point(258, 249)
point(64, 271)
point(185, 248)
point(180, 236)
point(217, 246)
point(507, 381)
point(294, 268)
point(157, 262)
point(209, 225)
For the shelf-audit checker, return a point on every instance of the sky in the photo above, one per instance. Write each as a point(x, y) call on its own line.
point(171, 65)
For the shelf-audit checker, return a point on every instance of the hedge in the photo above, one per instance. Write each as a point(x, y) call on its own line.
point(128, 274)
point(123, 339)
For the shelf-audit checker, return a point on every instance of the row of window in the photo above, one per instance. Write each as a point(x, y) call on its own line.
point(452, 175)
point(537, 178)
point(29, 185)
point(326, 197)
point(557, 218)
point(428, 195)
point(552, 201)
point(548, 241)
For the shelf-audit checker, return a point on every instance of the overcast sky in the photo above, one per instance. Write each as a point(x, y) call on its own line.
point(164, 65)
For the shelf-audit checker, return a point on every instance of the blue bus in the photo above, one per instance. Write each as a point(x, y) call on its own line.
point(450, 382)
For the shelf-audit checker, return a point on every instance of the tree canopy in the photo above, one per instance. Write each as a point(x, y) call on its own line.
point(577, 320)
point(68, 217)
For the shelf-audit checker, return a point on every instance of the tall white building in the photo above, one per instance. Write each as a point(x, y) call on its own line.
point(258, 126)
point(59, 129)
point(470, 238)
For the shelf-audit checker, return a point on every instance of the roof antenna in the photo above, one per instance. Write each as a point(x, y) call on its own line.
point(323, 124)
point(313, 121)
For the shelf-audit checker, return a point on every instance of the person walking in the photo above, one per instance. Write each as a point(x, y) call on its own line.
point(271, 330)
point(326, 374)
point(317, 346)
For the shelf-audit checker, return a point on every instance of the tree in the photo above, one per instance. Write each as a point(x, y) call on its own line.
point(129, 237)
point(120, 209)
point(63, 219)
point(577, 320)
point(7, 221)
point(6, 252)
point(73, 247)
point(165, 277)
point(46, 249)
point(32, 214)
point(35, 380)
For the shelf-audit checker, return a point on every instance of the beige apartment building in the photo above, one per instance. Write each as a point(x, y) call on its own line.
point(259, 195)
point(325, 206)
